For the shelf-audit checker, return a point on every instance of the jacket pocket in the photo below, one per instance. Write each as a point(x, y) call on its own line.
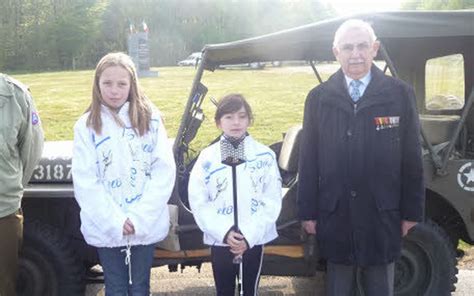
point(385, 188)
point(329, 194)
point(386, 154)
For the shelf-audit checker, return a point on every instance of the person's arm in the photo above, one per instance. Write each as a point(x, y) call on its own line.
point(89, 192)
point(413, 189)
point(157, 190)
point(215, 224)
point(266, 215)
point(30, 136)
point(308, 171)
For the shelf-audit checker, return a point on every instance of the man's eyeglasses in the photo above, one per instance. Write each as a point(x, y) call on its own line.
point(347, 47)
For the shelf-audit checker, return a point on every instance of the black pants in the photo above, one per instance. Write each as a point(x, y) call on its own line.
point(345, 280)
point(225, 272)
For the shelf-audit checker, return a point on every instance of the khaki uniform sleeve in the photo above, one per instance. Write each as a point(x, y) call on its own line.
point(30, 136)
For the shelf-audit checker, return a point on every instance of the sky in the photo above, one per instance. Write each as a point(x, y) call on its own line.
point(355, 6)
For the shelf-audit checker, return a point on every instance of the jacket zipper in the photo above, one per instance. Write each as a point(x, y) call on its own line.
point(353, 254)
point(355, 109)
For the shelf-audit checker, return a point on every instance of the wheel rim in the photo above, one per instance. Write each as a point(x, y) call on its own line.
point(413, 270)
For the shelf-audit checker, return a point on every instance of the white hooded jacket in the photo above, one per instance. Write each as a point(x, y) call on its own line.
point(119, 175)
point(258, 194)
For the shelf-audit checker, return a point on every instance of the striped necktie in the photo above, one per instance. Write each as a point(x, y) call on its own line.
point(355, 93)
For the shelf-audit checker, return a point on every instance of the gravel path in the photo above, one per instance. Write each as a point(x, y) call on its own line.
point(191, 282)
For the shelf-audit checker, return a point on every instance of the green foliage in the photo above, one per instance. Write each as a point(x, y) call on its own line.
point(46, 34)
point(437, 4)
point(40, 35)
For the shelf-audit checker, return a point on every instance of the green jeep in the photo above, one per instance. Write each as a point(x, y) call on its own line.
point(433, 51)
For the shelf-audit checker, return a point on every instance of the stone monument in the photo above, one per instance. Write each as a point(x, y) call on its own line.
point(139, 51)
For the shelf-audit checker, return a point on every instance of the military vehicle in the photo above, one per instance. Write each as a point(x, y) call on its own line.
point(433, 51)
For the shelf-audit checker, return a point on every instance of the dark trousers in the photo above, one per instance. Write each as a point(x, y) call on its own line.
point(345, 280)
point(11, 230)
point(225, 272)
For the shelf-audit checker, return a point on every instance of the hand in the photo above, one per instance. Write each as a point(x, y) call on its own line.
point(406, 226)
point(237, 243)
point(309, 226)
point(128, 227)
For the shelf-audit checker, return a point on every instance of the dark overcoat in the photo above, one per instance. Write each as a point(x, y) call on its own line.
point(360, 168)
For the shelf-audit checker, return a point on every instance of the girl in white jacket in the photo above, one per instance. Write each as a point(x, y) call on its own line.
point(258, 204)
point(124, 172)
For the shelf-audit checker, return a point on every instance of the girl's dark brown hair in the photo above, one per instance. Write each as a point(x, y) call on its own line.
point(232, 103)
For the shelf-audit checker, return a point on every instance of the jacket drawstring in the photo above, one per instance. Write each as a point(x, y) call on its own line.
point(128, 260)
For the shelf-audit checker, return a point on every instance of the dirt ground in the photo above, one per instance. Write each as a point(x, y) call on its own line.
point(191, 282)
point(467, 260)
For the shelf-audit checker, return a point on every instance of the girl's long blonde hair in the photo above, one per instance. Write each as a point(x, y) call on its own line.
point(140, 110)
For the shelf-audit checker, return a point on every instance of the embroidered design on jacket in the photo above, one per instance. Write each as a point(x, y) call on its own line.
point(226, 210)
point(147, 169)
point(261, 161)
point(221, 187)
point(257, 183)
point(106, 161)
point(256, 205)
point(130, 200)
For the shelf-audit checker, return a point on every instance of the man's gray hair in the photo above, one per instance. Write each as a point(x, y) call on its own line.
point(353, 24)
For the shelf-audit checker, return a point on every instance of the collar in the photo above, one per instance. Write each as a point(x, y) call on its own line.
point(250, 152)
point(335, 87)
point(122, 111)
point(365, 80)
point(337, 83)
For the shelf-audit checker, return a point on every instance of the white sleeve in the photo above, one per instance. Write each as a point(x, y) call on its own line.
point(157, 190)
point(203, 209)
point(264, 219)
point(89, 192)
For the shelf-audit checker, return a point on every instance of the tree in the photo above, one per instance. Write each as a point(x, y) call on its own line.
point(437, 4)
point(64, 34)
point(74, 29)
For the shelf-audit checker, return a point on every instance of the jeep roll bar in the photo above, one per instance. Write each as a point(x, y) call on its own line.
point(192, 117)
point(441, 170)
point(390, 65)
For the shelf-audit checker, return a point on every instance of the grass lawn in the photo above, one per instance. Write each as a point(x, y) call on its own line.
point(276, 95)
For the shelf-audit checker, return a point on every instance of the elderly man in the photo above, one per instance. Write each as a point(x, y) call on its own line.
point(21, 143)
point(360, 177)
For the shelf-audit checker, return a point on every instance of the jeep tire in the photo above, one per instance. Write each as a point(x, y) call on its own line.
point(428, 262)
point(48, 264)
